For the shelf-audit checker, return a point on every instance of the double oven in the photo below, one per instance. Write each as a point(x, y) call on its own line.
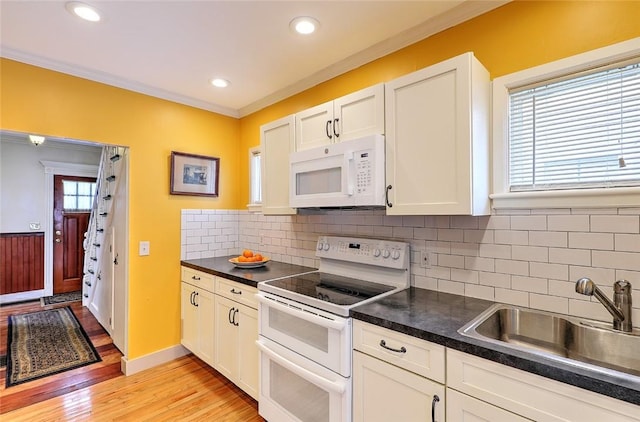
point(305, 329)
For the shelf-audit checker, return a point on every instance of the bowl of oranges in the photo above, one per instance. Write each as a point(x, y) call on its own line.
point(249, 259)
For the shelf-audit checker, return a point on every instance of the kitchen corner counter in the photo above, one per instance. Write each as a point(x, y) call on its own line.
point(221, 267)
point(436, 317)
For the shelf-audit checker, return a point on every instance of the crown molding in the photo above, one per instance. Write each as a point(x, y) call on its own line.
point(463, 12)
point(102, 77)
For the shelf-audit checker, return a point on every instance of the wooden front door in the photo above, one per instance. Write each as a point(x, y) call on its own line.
point(71, 211)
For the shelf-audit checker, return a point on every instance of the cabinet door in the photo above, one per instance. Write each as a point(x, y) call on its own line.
point(226, 337)
point(188, 318)
point(248, 355)
point(383, 392)
point(436, 135)
point(206, 317)
point(276, 142)
point(463, 408)
point(359, 114)
point(314, 126)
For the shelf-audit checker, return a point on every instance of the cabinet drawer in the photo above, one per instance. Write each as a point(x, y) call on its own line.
point(419, 356)
point(463, 408)
point(237, 291)
point(530, 395)
point(198, 278)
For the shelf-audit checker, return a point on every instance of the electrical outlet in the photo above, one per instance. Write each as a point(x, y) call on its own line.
point(143, 248)
point(425, 259)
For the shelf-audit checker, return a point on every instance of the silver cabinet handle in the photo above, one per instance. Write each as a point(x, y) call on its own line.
point(435, 400)
point(400, 350)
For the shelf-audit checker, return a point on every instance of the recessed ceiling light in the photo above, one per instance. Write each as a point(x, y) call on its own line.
point(220, 83)
point(304, 25)
point(83, 11)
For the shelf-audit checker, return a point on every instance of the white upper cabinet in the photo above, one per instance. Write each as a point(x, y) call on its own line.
point(352, 116)
point(276, 142)
point(437, 140)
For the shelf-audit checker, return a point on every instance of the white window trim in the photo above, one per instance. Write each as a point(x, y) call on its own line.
point(253, 207)
point(572, 198)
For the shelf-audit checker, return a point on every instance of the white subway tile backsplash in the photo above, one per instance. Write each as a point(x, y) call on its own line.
point(619, 260)
point(525, 257)
point(549, 303)
point(508, 266)
point(556, 271)
point(511, 237)
point(570, 256)
point(512, 297)
point(530, 284)
point(541, 238)
point(529, 222)
point(615, 223)
point(530, 253)
point(601, 241)
point(569, 223)
point(627, 242)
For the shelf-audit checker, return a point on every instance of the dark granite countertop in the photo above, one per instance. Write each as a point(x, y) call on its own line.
point(436, 317)
point(221, 267)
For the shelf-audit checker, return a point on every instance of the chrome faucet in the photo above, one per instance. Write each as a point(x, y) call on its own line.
point(620, 308)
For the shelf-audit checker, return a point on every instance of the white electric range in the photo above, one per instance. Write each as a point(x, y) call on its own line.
point(305, 329)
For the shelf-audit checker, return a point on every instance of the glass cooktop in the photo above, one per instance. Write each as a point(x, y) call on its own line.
point(331, 288)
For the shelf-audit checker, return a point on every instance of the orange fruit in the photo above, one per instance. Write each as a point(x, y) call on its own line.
point(242, 259)
point(247, 253)
point(258, 257)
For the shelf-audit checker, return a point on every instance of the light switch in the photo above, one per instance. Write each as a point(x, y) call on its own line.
point(144, 248)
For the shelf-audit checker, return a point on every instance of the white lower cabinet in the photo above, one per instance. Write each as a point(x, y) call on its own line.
point(197, 321)
point(236, 333)
point(197, 314)
point(387, 387)
point(219, 324)
point(528, 395)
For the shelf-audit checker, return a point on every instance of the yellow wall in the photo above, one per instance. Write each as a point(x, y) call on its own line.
point(510, 38)
point(51, 103)
point(513, 37)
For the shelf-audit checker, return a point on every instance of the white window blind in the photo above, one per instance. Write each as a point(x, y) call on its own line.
point(576, 132)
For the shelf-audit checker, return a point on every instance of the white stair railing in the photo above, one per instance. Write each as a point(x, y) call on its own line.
point(97, 255)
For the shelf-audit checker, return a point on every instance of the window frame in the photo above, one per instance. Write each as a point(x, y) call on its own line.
point(254, 206)
point(563, 198)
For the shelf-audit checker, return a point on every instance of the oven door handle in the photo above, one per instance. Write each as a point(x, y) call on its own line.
point(333, 386)
point(315, 319)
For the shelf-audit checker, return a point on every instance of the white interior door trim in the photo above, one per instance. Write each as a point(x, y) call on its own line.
point(51, 169)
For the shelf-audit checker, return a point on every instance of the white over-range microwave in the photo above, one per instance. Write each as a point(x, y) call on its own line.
point(344, 174)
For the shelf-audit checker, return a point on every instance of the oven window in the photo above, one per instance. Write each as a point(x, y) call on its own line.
point(319, 181)
point(307, 332)
point(304, 400)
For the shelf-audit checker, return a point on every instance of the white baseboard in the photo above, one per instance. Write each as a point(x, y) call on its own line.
point(22, 296)
point(130, 367)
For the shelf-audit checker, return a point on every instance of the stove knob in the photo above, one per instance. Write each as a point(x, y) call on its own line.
point(386, 253)
point(325, 247)
point(395, 254)
point(376, 252)
point(320, 246)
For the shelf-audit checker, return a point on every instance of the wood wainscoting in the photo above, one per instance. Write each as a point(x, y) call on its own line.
point(21, 262)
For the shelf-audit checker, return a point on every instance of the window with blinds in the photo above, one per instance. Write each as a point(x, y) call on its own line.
point(581, 131)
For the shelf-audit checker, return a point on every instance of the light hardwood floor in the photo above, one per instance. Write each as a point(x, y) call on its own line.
point(181, 390)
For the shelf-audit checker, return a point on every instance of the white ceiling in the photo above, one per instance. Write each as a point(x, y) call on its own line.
point(170, 49)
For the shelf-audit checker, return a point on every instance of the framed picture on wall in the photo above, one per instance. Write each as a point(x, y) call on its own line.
point(194, 174)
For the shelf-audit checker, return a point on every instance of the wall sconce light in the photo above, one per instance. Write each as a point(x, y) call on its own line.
point(36, 139)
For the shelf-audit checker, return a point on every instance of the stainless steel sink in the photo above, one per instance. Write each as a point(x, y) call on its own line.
point(576, 341)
